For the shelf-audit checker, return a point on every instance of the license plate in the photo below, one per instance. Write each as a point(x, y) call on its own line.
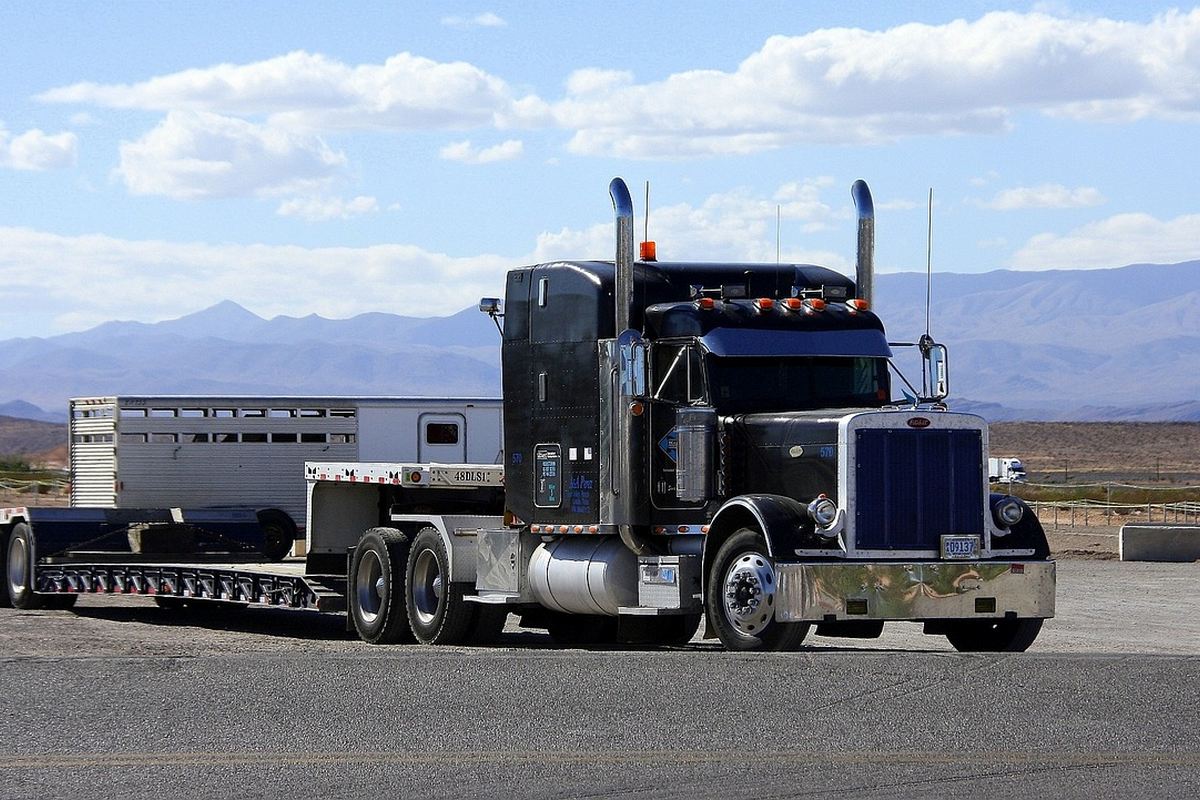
point(960, 547)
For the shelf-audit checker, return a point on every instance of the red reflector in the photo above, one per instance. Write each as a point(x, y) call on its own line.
point(636, 409)
point(415, 477)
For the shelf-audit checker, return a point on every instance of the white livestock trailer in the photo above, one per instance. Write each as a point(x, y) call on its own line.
point(152, 451)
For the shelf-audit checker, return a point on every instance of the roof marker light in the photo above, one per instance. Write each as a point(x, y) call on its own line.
point(764, 304)
point(706, 304)
point(815, 303)
point(793, 303)
point(858, 304)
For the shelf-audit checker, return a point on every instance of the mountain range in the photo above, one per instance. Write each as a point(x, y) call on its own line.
point(1116, 344)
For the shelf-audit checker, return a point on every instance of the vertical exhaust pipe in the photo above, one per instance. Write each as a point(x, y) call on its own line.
point(864, 267)
point(623, 290)
point(628, 434)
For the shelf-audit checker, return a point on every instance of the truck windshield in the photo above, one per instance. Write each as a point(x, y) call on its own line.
point(755, 385)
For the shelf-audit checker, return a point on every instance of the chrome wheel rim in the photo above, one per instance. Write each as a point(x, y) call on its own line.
point(426, 586)
point(749, 593)
point(18, 560)
point(369, 587)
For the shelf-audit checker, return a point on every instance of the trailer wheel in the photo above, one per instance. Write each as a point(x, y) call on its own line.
point(18, 571)
point(437, 610)
point(740, 597)
point(279, 533)
point(5, 600)
point(994, 636)
point(376, 587)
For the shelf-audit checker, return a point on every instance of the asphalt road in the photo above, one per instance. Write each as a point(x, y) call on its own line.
point(126, 700)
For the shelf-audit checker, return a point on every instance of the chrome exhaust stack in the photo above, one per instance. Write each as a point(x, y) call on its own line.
point(628, 502)
point(864, 267)
point(623, 290)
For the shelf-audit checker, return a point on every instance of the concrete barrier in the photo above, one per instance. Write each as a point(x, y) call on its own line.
point(1160, 542)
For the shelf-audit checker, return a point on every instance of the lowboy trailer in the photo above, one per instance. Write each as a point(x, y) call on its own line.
point(682, 442)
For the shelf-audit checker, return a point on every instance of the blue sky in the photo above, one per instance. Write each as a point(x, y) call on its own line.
point(156, 158)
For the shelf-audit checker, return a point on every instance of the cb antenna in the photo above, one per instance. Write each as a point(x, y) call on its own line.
point(929, 264)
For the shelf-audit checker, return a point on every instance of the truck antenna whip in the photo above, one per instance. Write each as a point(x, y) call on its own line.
point(778, 222)
point(929, 263)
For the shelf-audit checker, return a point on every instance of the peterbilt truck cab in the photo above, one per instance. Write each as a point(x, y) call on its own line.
point(742, 417)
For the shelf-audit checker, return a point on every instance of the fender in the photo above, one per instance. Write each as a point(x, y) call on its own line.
point(782, 521)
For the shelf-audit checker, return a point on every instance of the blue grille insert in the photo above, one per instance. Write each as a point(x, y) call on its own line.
point(913, 486)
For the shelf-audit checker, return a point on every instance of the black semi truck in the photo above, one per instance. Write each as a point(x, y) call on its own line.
point(683, 442)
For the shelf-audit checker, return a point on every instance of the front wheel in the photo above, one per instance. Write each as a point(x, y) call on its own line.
point(994, 636)
point(740, 597)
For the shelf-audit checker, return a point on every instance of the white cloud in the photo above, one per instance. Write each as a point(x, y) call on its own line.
point(36, 150)
point(487, 19)
point(310, 90)
point(323, 209)
point(469, 154)
point(853, 86)
point(99, 278)
point(193, 154)
point(1114, 242)
point(1047, 195)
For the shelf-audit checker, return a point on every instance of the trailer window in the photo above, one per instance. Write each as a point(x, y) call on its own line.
point(283, 437)
point(93, 413)
point(193, 412)
point(130, 412)
point(341, 438)
point(133, 438)
point(223, 412)
point(93, 438)
point(312, 412)
point(225, 438)
point(253, 412)
point(163, 412)
point(341, 412)
point(312, 438)
point(164, 438)
point(254, 437)
point(282, 412)
point(196, 438)
point(441, 433)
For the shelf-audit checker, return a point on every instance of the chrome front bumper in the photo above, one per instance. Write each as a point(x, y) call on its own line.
point(914, 591)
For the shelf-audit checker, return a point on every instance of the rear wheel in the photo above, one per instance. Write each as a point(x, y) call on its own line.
point(437, 609)
point(994, 636)
point(740, 597)
point(376, 587)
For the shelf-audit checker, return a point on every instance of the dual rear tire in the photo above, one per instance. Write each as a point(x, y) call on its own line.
point(400, 591)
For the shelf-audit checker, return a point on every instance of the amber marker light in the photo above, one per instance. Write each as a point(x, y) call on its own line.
point(858, 304)
point(793, 303)
point(764, 304)
point(636, 409)
point(706, 304)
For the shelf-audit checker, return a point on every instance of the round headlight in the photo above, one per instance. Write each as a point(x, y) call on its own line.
point(1009, 512)
point(823, 511)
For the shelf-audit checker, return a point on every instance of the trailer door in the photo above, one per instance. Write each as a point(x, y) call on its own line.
point(443, 438)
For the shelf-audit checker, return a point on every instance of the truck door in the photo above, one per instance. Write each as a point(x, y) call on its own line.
point(443, 438)
point(677, 381)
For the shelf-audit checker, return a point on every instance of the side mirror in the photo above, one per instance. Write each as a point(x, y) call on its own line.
point(937, 370)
